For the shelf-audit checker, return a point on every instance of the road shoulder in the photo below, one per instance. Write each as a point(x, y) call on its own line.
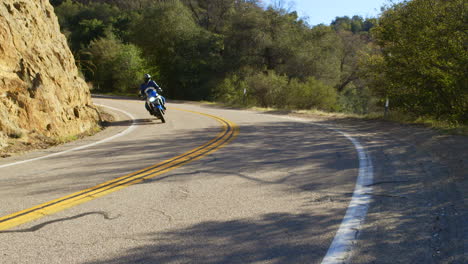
point(34, 145)
point(418, 212)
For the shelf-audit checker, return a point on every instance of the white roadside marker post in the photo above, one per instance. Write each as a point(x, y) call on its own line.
point(387, 104)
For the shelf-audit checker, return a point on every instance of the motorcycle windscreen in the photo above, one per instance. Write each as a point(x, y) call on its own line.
point(150, 92)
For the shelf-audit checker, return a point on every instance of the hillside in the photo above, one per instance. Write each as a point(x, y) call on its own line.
point(41, 94)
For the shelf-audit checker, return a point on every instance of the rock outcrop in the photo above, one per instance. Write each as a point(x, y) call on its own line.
point(41, 93)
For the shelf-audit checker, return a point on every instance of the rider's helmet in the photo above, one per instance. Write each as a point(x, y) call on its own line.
point(147, 77)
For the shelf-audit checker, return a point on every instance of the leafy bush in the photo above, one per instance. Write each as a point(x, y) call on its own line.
point(425, 57)
point(356, 100)
point(187, 55)
point(119, 67)
point(417, 55)
point(311, 94)
point(267, 89)
point(231, 90)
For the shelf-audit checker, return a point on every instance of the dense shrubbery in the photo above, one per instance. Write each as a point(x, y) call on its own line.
point(272, 90)
point(217, 49)
point(201, 50)
point(118, 67)
point(423, 68)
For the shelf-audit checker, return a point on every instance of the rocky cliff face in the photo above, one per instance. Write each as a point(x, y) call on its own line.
point(40, 91)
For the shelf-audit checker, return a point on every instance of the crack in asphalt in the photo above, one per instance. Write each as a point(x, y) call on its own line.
point(166, 215)
point(386, 182)
point(40, 226)
point(386, 195)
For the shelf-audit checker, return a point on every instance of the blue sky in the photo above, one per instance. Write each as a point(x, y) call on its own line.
point(324, 11)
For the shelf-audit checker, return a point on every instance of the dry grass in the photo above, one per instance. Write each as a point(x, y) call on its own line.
point(22, 143)
point(442, 126)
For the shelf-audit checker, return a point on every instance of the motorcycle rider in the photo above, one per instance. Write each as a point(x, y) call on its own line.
point(150, 83)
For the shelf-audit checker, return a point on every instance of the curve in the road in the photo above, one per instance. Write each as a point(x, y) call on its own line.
point(229, 132)
point(340, 250)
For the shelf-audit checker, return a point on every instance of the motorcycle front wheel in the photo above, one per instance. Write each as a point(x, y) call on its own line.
point(160, 114)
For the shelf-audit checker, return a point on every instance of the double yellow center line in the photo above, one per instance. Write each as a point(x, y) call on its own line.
point(228, 133)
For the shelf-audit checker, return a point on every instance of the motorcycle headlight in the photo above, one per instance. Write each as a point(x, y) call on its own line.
point(152, 99)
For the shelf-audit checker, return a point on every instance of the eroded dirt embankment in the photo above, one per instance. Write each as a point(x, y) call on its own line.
point(42, 97)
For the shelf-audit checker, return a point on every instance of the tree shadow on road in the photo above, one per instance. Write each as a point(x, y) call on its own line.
point(288, 157)
point(271, 238)
point(409, 217)
point(126, 123)
point(298, 162)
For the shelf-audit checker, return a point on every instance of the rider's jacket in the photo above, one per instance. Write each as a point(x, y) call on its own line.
point(149, 84)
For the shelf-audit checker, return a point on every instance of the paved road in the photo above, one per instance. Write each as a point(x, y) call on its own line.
point(276, 193)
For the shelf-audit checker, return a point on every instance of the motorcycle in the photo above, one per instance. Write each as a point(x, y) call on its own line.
point(155, 103)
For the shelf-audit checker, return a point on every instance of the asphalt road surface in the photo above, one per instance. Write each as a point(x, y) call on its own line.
point(276, 191)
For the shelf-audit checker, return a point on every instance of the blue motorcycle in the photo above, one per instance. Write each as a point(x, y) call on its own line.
point(155, 104)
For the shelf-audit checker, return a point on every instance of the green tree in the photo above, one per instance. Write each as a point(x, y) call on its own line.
point(187, 55)
point(425, 57)
point(211, 14)
point(369, 24)
point(87, 30)
point(357, 24)
point(122, 4)
point(66, 12)
point(118, 67)
point(268, 88)
point(231, 90)
point(83, 23)
point(311, 94)
point(351, 48)
point(246, 39)
point(341, 23)
point(211, 49)
point(316, 54)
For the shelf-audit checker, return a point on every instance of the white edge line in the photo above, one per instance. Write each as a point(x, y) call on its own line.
point(126, 131)
point(340, 250)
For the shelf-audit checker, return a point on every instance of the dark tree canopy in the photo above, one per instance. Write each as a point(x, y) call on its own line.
point(216, 49)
